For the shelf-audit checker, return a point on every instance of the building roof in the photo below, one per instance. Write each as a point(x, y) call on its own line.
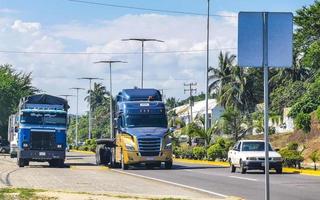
point(198, 108)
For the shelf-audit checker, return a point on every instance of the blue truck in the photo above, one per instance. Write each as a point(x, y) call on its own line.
point(42, 124)
point(141, 132)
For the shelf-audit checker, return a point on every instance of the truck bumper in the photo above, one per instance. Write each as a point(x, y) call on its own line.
point(260, 165)
point(37, 155)
point(136, 158)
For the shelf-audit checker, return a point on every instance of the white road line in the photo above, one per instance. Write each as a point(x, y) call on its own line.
point(243, 178)
point(172, 183)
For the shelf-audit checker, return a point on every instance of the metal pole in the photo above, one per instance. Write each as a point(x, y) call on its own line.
point(142, 62)
point(90, 125)
point(190, 103)
point(207, 67)
point(77, 117)
point(111, 106)
point(266, 102)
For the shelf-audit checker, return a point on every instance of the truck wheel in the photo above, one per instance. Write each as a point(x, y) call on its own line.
point(123, 165)
point(168, 164)
point(279, 170)
point(243, 170)
point(98, 162)
point(11, 155)
point(3, 150)
point(20, 162)
point(232, 168)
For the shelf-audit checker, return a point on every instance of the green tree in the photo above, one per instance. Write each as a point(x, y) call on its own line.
point(171, 103)
point(13, 86)
point(315, 157)
point(99, 96)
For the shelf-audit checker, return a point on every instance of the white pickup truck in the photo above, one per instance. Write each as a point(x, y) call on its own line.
point(249, 155)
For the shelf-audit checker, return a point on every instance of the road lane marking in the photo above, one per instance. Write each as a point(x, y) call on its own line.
point(243, 178)
point(172, 183)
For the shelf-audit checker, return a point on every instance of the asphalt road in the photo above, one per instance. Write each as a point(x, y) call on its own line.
point(221, 181)
point(185, 180)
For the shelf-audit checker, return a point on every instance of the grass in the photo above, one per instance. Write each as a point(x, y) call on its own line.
point(21, 194)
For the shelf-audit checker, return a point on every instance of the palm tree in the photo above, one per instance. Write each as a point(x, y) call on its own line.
point(99, 96)
point(220, 76)
point(171, 103)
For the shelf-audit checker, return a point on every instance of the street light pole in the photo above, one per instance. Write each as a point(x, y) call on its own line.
point(207, 68)
point(90, 118)
point(142, 40)
point(110, 62)
point(77, 114)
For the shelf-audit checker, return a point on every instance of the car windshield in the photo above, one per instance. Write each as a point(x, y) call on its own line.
point(146, 120)
point(254, 146)
point(44, 118)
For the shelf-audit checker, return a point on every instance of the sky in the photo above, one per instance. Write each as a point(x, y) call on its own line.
point(64, 26)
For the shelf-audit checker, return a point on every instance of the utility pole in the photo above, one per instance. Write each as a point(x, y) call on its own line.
point(110, 62)
point(206, 124)
point(90, 117)
point(191, 90)
point(142, 40)
point(77, 114)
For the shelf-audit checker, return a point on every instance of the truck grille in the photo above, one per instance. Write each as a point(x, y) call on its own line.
point(43, 141)
point(149, 146)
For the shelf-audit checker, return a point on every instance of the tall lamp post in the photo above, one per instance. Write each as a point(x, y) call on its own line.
point(90, 118)
point(77, 115)
point(110, 62)
point(142, 40)
point(207, 68)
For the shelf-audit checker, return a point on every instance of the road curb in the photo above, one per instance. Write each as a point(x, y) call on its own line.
point(307, 172)
point(79, 151)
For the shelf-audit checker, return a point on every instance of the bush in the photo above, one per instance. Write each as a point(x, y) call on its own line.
point(318, 113)
point(291, 156)
point(216, 152)
point(303, 122)
point(199, 152)
point(184, 151)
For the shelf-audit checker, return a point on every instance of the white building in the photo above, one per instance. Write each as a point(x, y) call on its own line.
point(214, 110)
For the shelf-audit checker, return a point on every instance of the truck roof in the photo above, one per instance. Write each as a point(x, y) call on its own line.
point(139, 95)
point(45, 99)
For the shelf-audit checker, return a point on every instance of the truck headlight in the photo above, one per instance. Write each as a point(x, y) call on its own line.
point(25, 145)
point(252, 158)
point(59, 146)
point(130, 147)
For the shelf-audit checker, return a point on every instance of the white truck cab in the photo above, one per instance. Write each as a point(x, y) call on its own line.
point(249, 155)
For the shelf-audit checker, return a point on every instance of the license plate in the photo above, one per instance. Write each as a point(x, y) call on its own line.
point(42, 153)
point(150, 158)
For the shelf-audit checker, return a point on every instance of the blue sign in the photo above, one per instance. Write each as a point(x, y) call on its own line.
point(259, 32)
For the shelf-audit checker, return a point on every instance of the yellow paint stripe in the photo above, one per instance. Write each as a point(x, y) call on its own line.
point(308, 172)
point(202, 162)
point(103, 168)
point(85, 152)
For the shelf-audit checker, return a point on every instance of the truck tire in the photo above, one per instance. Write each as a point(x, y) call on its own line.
point(20, 162)
point(12, 156)
point(2, 150)
point(123, 165)
point(168, 164)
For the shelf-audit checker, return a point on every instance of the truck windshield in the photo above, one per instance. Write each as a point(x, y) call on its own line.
point(146, 120)
point(254, 146)
point(44, 118)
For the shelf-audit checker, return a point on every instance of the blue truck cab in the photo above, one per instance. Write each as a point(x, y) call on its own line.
point(42, 130)
point(142, 135)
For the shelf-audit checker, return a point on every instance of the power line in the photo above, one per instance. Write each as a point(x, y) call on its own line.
point(111, 53)
point(148, 9)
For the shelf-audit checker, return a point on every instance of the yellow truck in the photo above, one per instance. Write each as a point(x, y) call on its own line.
point(141, 134)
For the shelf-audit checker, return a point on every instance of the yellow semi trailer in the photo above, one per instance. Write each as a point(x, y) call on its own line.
point(141, 134)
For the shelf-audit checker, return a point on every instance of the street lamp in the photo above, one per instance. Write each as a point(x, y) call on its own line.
point(77, 115)
point(207, 67)
point(110, 62)
point(142, 40)
point(90, 80)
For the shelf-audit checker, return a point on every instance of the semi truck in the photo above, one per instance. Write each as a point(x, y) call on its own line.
point(42, 123)
point(13, 125)
point(140, 134)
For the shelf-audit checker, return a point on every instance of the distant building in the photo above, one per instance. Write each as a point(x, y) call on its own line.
point(198, 109)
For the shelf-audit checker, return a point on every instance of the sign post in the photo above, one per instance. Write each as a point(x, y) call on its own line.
point(265, 40)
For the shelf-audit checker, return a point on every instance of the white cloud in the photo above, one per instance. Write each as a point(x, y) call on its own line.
point(55, 74)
